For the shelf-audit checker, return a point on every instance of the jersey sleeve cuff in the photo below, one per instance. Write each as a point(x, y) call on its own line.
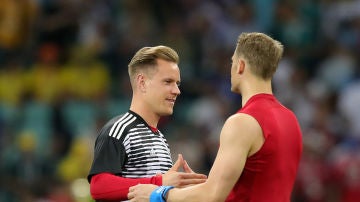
point(157, 180)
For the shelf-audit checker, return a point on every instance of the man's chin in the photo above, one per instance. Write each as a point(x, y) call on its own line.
point(167, 113)
point(234, 90)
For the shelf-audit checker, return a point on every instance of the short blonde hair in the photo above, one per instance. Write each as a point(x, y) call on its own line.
point(145, 59)
point(261, 52)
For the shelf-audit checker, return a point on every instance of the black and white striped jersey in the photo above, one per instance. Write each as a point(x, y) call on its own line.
point(126, 146)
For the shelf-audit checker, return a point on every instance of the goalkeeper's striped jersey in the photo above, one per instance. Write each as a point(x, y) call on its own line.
point(127, 147)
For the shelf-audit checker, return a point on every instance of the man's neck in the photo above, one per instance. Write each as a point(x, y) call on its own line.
point(149, 117)
point(254, 89)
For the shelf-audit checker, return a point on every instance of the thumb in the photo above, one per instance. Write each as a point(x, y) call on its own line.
point(187, 168)
point(179, 162)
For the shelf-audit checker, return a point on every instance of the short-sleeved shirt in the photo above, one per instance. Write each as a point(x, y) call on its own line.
point(127, 147)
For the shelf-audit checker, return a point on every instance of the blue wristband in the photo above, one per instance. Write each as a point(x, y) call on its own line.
point(158, 195)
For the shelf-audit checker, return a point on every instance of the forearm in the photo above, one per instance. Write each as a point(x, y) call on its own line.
point(213, 190)
point(107, 186)
point(201, 192)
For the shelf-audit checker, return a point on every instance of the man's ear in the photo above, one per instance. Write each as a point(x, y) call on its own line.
point(140, 82)
point(241, 67)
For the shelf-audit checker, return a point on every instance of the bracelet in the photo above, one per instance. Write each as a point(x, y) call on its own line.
point(159, 194)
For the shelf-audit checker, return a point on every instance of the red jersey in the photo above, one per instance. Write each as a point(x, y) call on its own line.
point(269, 174)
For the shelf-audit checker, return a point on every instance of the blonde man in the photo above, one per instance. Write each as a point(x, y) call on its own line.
point(130, 149)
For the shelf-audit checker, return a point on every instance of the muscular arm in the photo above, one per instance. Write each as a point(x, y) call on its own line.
point(240, 137)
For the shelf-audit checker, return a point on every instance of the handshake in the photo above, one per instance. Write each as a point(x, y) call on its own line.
point(182, 179)
point(171, 179)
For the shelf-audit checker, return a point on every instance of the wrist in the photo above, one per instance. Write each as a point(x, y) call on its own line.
point(159, 194)
point(166, 191)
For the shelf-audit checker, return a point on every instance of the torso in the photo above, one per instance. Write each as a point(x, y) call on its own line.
point(269, 173)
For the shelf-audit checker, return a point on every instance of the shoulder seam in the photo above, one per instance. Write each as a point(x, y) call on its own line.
point(119, 126)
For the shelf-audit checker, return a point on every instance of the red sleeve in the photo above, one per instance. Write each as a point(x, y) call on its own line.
point(107, 186)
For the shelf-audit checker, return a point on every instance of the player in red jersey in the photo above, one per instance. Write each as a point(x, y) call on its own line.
point(260, 145)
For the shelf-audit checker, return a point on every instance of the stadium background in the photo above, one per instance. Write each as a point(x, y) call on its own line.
point(63, 73)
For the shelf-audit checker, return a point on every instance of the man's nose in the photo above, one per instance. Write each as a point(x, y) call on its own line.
point(176, 90)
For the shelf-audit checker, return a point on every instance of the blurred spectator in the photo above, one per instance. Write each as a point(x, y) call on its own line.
point(44, 81)
point(12, 83)
point(17, 21)
point(58, 22)
point(348, 99)
point(338, 69)
point(85, 76)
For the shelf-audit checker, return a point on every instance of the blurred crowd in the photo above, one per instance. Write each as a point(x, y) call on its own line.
point(63, 74)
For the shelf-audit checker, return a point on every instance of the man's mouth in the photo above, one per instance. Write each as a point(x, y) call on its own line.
point(171, 100)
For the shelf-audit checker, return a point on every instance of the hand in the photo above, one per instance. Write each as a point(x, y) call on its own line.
point(182, 179)
point(141, 192)
point(180, 162)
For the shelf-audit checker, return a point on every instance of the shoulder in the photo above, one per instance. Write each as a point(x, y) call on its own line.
point(241, 121)
point(243, 131)
point(118, 125)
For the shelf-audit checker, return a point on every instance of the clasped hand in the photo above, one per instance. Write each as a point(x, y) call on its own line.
point(174, 177)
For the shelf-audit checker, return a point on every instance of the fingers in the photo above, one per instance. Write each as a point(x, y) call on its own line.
point(178, 163)
point(180, 157)
point(190, 182)
point(130, 195)
point(187, 168)
point(131, 189)
point(192, 176)
point(186, 179)
point(140, 192)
